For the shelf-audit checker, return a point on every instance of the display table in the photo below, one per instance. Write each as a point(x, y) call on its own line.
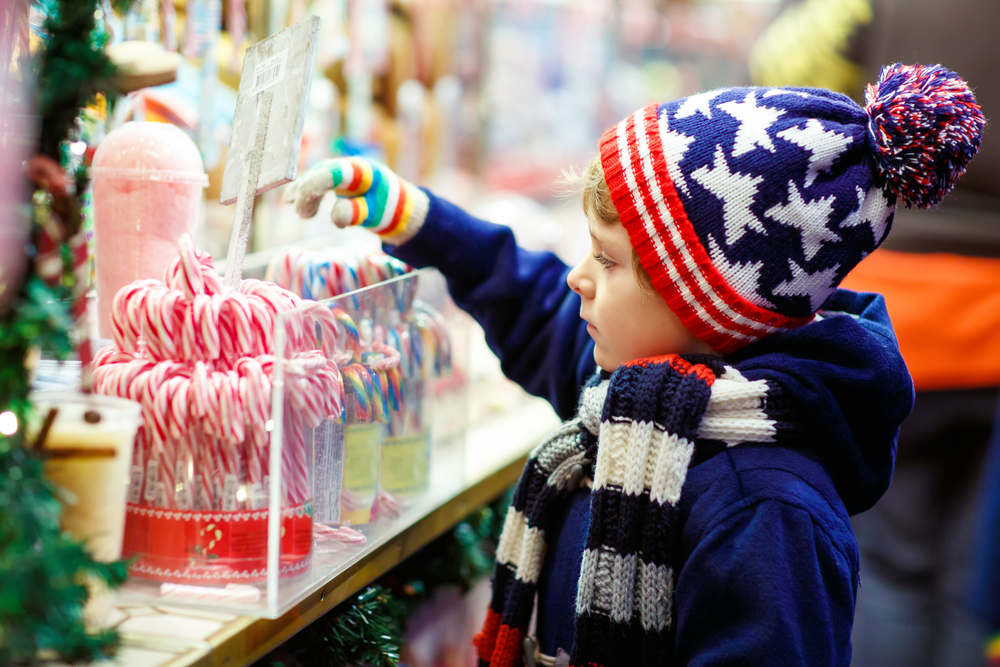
point(168, 635)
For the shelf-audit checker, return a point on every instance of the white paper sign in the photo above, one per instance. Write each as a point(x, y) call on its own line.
point(283, 64)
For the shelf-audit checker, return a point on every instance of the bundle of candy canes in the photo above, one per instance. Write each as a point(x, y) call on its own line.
point(200, 359)
point(330, 272)
point(416, 331)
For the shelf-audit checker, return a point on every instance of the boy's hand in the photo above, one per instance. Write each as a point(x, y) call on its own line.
point(368, 194)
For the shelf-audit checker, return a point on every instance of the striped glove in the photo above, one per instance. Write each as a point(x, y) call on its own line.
point(368, 194)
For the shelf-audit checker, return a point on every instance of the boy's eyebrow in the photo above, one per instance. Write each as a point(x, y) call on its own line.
point(593, 233)
point(602, 238)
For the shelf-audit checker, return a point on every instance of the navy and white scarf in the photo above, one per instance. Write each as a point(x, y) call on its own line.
point(636, 432)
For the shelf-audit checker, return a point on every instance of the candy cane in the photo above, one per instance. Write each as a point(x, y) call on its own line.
point(166, 450)
point(235, 310)
point(295, 472)
point(232, 593)
point(204, 471)
point(254, 447)
point(345, 534)
point(126, 330)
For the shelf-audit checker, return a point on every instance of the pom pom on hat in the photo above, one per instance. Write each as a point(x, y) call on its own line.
point(926, 126)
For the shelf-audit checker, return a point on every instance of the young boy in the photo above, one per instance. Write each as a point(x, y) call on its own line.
point(693, 509)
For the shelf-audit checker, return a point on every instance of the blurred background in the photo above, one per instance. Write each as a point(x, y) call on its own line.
point(487, 102)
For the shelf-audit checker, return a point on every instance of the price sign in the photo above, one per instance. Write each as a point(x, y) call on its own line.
point(267, 128)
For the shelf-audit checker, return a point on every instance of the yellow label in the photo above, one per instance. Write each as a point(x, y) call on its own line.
point(405, 462)
point(358, 516)
point(361, 456)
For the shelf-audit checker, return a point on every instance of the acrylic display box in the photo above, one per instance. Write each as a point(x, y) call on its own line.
point(361, 432)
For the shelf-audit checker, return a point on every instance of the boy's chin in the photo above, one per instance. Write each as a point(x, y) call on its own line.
point(605, 361)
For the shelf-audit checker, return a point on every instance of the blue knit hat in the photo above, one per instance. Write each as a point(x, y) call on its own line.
point(748, 206)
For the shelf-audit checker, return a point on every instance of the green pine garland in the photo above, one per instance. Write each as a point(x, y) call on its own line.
point(368, 628)
point(364, 630)
point(41, 570)
point(43, 573)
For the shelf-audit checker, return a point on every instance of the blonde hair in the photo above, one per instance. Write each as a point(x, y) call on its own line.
point(597, 204)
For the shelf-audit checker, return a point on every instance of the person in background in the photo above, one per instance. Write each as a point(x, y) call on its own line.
point(940, 274)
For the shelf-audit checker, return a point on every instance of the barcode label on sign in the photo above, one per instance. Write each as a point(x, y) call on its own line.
point(269, 72)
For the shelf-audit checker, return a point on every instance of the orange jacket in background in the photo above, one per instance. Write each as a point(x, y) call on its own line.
point(946, 312)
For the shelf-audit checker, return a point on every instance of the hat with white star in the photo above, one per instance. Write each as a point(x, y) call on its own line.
point(748, 206)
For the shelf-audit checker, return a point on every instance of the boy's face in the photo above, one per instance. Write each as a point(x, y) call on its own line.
point(625, 322)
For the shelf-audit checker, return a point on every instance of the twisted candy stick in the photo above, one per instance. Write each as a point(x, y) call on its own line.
point(356, 378)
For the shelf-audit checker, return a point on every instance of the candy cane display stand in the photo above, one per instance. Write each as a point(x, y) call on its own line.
point(199, 358)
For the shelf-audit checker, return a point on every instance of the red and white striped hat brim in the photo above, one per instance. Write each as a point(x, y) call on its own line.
point(668, 246)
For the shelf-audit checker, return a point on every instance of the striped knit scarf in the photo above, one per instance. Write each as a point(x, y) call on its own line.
point(636, 433)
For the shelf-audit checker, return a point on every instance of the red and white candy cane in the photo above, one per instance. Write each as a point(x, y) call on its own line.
point(344, 534)
point(126, 326)
point(295, 471)
point(204, 469)
point(236, 326)
point(162, 316)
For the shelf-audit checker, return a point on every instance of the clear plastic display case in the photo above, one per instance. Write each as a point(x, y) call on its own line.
point(361, 432)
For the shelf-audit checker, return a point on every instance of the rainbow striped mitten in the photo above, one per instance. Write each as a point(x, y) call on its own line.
point(369, 194)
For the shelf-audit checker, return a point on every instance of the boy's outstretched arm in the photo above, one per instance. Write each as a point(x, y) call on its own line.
point(521, 299)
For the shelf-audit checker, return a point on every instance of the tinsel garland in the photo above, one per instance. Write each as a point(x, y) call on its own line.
point(368, 628)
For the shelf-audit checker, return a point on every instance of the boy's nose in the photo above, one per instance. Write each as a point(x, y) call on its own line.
point(579, 282)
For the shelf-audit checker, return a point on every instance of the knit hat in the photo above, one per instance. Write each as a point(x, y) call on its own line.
point(748, 206)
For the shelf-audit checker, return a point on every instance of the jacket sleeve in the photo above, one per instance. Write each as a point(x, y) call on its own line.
point(765, 585)
point(520, 298)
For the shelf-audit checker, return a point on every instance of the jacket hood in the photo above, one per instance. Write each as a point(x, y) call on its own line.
point(849, 379)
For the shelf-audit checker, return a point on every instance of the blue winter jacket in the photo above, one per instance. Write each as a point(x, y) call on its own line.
point(769, 562)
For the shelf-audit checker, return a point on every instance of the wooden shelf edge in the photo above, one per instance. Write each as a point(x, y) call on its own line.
point(247, 639)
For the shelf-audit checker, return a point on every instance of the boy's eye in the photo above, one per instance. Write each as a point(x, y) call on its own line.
point(604, 260)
